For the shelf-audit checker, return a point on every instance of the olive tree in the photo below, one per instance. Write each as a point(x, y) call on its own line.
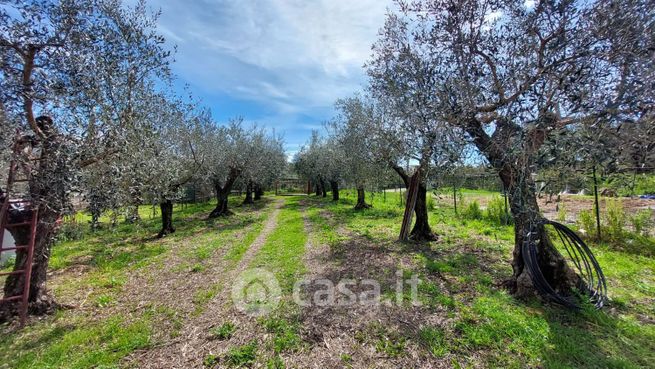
point(62, 62)
point(352, 127)
point(510, 74)
point(265, 166)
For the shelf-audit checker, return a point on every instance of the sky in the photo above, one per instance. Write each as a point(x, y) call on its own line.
point(278, 63)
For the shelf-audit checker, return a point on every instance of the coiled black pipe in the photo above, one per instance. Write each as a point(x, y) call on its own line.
point(580, 255)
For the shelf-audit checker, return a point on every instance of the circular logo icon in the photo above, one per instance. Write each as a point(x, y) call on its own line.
point(256, 292)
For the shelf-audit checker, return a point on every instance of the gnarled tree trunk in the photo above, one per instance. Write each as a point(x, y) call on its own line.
point(222, 193)
point(50, 197)
point(259, 192)
point(166, 207)
point(334, 185)
point(525, 211)
point(361, 199)
point(421, 230)
point(249, 190)
point(323, 189)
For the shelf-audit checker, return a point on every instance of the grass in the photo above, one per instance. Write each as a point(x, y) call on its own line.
point(479, 324)
point(284, 247)
point(82, 338)
point(489, 327)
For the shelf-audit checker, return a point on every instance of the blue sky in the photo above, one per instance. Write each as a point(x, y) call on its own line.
point(280, 63)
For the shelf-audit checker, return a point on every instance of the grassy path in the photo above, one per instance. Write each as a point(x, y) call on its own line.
point(128, 290)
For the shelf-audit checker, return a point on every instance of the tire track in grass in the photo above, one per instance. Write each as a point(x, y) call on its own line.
point(188, 349)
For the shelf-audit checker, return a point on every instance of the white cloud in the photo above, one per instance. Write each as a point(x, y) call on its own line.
point(291, 54)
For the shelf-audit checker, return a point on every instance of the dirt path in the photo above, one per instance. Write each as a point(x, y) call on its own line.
point(350, 335)
point(194, 342)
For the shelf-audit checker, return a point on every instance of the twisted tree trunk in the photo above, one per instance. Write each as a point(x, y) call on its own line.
point(249, 190)
point(259, 192)
point(515, 171)
point(334, 185)
point(361, 199)
point(222, 193)
point(166, 207)
point(525, 211)
point(421, 230)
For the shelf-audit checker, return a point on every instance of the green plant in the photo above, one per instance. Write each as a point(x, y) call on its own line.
point(434, 340)
point(472, 211)
point(275, 363)
point(285, 334)
point(429, 202)
point(223, 332)
point(641, 220)
point(561, 212)
point(615, 218)
point(496, 211)
point(210, 360)
point(587, 223)
point(244, 355)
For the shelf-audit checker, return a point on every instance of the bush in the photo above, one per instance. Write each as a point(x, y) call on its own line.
point(615, 218)
point(472, 211)
point(641, 221)
point(429, 202)
point(587, 222)
point(496, 211)
point(561, 212)
point(71, 231)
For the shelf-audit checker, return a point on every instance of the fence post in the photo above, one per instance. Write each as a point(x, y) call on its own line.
point(596, 202)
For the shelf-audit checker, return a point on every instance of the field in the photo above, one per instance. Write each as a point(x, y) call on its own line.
point(135, 301)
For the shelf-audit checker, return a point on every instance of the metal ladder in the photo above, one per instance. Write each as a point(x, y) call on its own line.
point(26, 269)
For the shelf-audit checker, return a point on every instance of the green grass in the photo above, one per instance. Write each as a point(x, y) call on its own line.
point(80, 338)
point(489, 328)
point(77, 344)
point(223, 331)
point(479, 325)
point(283, 249)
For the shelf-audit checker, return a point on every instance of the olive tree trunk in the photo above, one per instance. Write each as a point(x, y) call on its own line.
point(516, 174)
point(421, 230)
point(166, 207)
point(361, 199)
point(259, 192)
point(334, 186)
point(525, 211)
point(249, 198)
point(222, 193)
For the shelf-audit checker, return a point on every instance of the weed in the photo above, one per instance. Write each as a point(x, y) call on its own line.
point(434, 340)
point(496, 211)
point(244, 355)
point(615, 218)
point(223, 332)
point(561, 212)
point(286, 335)
point(210, 360)
point(587, 223)
point(275, 363)
point(641, 220)
point(472, 211)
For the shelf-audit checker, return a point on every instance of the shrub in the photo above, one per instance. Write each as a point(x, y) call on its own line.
point(429, 202)
point(472, 211)
point(615, 218)
point(587, 222)
point(640, 221)
point(223, 332)
point(496, 211)
point(561, 212)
